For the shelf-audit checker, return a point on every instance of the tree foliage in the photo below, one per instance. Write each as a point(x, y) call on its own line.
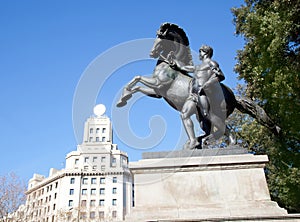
point(269, 64)
point(12, 194)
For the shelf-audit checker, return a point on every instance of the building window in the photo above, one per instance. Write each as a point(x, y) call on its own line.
point(55, 195)
point(54, 206)
point(86, 167)
point(114, 214)
point(93, 203)
point(84, 191)
point(93, 180)
point(102, 180)
point(71, 192)
point(76, 161)
point(56, 184)
point(82, 215)
point(114, 202)
point(114, 179)
point(95, 167)
point(85, 181)
point(94, 159)
point(86, 159)
point(102, 191)
point(97, 139)
point(103, 139)
point(91, 130)
point(70, 203)
point(83, 203)
point(124, 161)
point(72, 180)
point(113, 162)
point(101, 202)
point(114, 190)
point(90, 139)
point(92, 215)
point(104, 130)
point(103, 159)
point(103, 168)
point(97, 130)
point(93, 191)
point(101, 214)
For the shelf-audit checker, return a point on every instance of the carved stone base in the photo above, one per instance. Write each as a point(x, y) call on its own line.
point(197, 188)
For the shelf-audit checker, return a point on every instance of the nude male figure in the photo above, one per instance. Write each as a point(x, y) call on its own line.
point(205, 74)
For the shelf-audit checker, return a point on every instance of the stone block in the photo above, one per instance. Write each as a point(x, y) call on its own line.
point(201, 187)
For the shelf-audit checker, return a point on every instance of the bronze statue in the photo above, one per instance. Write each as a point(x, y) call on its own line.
point(202, 94)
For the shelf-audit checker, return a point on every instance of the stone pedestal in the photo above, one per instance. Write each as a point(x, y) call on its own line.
point(197, 187)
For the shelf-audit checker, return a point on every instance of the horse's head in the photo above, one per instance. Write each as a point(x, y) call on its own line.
point(170, 37)
point(157, 48)
point(162, 44)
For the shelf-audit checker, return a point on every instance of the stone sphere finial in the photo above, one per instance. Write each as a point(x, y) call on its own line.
point(99, 110)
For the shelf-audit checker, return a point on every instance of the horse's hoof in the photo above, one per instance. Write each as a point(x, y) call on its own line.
point(121, 103)
point(126, 96)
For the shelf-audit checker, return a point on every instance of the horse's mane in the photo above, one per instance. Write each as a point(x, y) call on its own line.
point(173, 27)
point(170, 27)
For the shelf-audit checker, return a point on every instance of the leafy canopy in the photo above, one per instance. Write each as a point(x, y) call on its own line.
point(269, 64)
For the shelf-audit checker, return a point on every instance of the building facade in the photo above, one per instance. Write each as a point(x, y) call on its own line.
point(96, 184)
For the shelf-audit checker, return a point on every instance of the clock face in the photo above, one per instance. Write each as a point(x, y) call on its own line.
point(99, 110)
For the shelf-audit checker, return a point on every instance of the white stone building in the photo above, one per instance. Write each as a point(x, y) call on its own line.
point(96, 184)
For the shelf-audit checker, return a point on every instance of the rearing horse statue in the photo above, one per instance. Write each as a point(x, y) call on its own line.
point(174, 85)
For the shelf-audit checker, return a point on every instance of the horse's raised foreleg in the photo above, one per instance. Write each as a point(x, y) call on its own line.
point(126, 95)
point(146, 91)
point(129, 89)
point(134, 81)
point(151, 82)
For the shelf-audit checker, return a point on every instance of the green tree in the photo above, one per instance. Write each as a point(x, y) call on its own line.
point(269, 64)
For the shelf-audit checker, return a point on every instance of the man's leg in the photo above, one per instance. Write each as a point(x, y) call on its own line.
point(204, 106)
point(189, 108)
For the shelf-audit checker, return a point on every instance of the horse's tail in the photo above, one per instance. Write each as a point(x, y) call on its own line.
point(248, 106)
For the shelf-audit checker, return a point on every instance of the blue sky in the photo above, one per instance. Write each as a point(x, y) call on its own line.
point(46, 48)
